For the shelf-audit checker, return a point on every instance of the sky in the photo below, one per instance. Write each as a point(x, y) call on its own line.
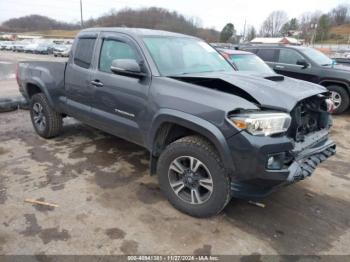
point(211, 14)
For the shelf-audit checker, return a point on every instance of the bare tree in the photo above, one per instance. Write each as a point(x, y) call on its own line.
point(251, 33)
point(339, 14)
point(308, 21)
point(273, 23)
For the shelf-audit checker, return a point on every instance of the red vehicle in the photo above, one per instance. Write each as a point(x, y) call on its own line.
point(245, 61)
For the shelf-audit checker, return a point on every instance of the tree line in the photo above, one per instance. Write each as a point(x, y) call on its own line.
point(154, 18)
point(310, 26)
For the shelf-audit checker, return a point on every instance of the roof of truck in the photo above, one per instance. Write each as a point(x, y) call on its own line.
point(134, 31)
point(233, 51)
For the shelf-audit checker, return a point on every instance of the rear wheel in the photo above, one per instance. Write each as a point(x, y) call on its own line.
point(340, 98)
point(46, 121)
point(192, 177)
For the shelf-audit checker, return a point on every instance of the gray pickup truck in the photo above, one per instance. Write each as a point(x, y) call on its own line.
point(213, 133)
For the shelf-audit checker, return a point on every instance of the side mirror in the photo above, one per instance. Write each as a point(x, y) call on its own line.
point(303, 63)
point(127, 67)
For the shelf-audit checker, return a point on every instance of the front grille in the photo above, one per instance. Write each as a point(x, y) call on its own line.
point(308, 116)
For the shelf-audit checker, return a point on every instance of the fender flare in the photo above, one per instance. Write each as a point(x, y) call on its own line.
point(335, 81)
point(199, 125)
point(40, 84)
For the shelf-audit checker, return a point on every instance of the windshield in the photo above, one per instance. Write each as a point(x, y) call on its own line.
point(182, 55)
point(317, 56)
point(247, 62)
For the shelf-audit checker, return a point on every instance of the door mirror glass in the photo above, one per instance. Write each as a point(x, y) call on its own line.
point(303, 63)
point(126, 67)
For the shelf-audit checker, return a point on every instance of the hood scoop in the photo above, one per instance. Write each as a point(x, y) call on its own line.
point(275, 78)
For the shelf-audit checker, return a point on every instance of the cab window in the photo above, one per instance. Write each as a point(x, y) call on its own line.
point(84, 52)
point(114, 49)
point(288, 56)
point(267, 54)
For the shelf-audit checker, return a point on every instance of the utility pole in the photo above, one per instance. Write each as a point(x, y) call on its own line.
point(81, 14)
point(245, 22)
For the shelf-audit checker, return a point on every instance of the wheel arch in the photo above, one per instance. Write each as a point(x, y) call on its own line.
point(328, 82)
point(35, 86)
point(170, 125)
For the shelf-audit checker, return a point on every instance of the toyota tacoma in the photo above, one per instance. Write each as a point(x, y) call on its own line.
point(213, 133)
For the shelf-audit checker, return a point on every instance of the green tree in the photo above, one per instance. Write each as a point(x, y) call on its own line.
point(323, 26)
point(227, 32)
point(285, 29)
point(291, 25)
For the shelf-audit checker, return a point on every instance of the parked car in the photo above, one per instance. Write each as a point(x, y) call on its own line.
point(212, 132)
point(30, 48)
point(19, 46)
point(311, 65)
point(4, 44)
point(9, 46)
point(62, 50)
point(44, 48)
point(246, 61)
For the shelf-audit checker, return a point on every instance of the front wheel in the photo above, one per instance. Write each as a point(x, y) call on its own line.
point(340, 98)
point(46, 121)
point(192, 176)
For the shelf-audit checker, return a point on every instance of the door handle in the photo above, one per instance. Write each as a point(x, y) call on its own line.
point(96, 83)
point(279, 66)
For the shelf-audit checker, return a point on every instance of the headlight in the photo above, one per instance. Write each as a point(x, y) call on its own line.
point(262, 123)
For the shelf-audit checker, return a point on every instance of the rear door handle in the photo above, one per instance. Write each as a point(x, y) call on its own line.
point(279, 66)
point(96, 83)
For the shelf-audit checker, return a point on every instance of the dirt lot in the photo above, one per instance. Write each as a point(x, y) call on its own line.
point(108, 204)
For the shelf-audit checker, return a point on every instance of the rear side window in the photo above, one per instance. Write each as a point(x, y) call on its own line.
point(267, 54)
point(288, 56)
point(113, 49)
point(254, 51)
point(84, 51)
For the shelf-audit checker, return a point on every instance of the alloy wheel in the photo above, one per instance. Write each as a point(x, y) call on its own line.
point(39, 117)
point(336, 98)
point(190, 180)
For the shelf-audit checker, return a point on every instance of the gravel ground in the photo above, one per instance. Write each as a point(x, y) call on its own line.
point(108, 204)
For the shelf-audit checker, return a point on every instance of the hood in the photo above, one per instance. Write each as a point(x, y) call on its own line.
point(268, 91)
point(339, 67)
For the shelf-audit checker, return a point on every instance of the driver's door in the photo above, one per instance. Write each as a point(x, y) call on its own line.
point(119, 102)
point(287, 65)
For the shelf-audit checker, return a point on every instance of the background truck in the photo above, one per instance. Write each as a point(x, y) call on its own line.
point(212, 132)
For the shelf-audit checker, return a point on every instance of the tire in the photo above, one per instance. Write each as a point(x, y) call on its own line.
point(52, 119)
point(7, 105)
point(198, 148)
point(338, 91)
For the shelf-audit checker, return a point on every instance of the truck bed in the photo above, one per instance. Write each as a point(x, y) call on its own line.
point(43, 74)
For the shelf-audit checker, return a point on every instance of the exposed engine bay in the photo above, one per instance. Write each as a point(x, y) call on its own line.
point(309, 115)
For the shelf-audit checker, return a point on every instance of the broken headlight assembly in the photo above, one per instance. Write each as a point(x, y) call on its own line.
point(263, 124)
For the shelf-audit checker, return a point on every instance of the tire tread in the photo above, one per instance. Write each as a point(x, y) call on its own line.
point(54, 119)
point(207, 148)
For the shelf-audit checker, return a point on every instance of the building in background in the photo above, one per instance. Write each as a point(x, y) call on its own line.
point(276, 40)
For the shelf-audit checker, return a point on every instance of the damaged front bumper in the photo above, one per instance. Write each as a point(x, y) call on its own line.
point(305, 166)
point(252, 179)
